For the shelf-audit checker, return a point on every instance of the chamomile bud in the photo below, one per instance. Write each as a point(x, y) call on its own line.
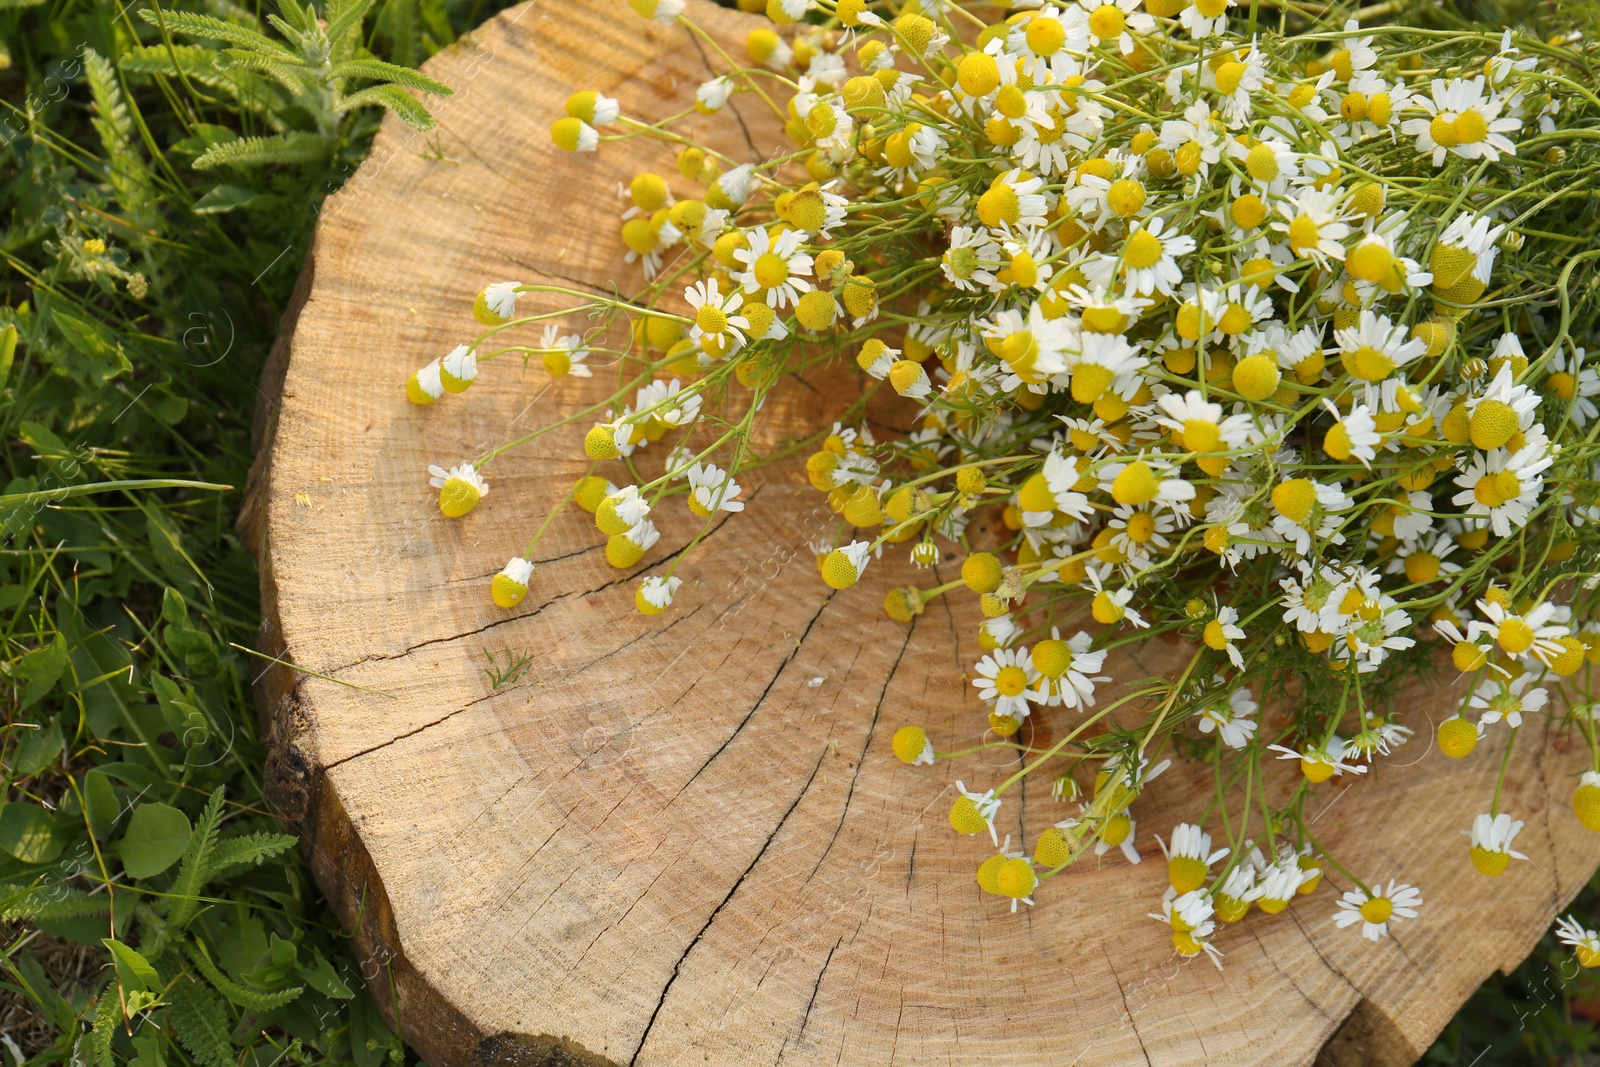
point(1458, 736)
point(459, 369)
point(460, 488)
point(817, 310)
point(842, 567)
point(657, 10)
point(909, 379)
point(591, 491)
point(654, 595)
point(766, 48)
point(982, 572)
point(876, 358)
point(1586, 800)
point(511, 584)
point(903, 604)
point(425, 385)
point(600, 442)
point(592, 108)
point(911, 745)
point(496, 304)
point(574, 135)
point(623, 550)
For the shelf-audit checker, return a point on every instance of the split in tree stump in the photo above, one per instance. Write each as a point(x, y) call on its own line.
point(684, 840)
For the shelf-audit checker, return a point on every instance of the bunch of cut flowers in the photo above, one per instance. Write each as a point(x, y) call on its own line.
point(1262, 330)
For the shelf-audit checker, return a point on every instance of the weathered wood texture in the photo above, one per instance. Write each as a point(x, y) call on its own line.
point(685, 840)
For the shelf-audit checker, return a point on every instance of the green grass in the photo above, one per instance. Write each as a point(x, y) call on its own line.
point(144, 292)
point(145, 889)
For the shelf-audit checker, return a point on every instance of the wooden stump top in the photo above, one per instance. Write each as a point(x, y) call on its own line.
point(684, 840)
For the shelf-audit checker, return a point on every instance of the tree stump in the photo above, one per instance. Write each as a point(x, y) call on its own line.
point(684, 840)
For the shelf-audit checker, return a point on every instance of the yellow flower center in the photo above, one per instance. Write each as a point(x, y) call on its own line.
point(770, 270)
point(1214, 636)
point(1295, 498)
point(1186, 873)
point(1515, 636)
point(1142, 250)
point(1108, 22)
point(557, 362)
point(1369, 364)
point(1303, 233)
point(1443, 132)
point(711, 319)
point(1011, 681)
point(1046, 35)
point(1470, 127)
point(1235, 320)
point(1135, 485)
point(1125, 197)
point(1229, 75)
point(1089, 381)
point(1201, 435)
point(1377, 910)
point(1262, 163)
point(1052, 658)
point(1141, 527)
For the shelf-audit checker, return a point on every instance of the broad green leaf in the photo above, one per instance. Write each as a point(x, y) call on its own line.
point(133, 969)
point(37, 749)
point(156, 837)
point(91, 340)
point(223, 198)
point(42, 668)
point(325, 980)
point(100, 800)
point(29, 832)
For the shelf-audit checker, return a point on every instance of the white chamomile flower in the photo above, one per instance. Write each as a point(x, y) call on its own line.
point(654, 594)
point(1466, 121)
point(1189, 857)
point(1574, 384)
point(1536, 632)
point(1500, 698)
point(775, 266)
point(1501, 488)
point(460, 488)
point(1377, 907)
point(1584, 942)
point(1205, 18)
point(1004, 678)
point(1312, 225)
point(426, 384)
point(563, 354)
point(1375, 348)
point(1065, 672)
point(712, 489)
point(1491, 843)
point(458, 369)
point(1231, 719)
point(1190, 916)
point(1111, 20)
point(658, 10)
point(713, 95)
point(1222, 631)
point(1320, 762)
point(1150, 255)
point(982, 805)
point(718, 327)
point(971, 260)
point(511, 584)
point(1354, 434)
point(497, 303)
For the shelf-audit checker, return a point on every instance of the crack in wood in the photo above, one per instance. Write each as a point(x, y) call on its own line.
point(677, 967)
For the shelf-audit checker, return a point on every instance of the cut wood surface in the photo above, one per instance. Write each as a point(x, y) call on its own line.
point(684, 840)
